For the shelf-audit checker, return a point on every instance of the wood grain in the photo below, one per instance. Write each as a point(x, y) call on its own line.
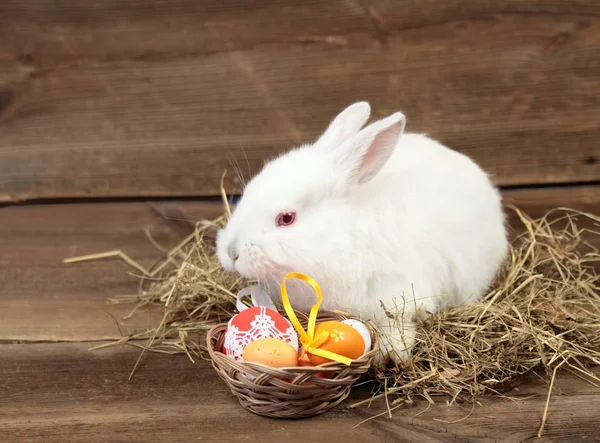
point(130, 98)
point(65, 393)
point(62, 392)
point(43, 300)
point(537, 201)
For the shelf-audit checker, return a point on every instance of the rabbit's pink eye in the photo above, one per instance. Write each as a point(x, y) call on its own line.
point(286, 219)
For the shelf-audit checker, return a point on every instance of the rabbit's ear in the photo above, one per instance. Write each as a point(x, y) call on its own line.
point(363, 155)
point(346, 124)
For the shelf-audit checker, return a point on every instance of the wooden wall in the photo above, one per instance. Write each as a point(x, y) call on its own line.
point(127, 98)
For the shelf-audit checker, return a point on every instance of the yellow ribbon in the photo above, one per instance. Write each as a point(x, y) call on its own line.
point(307, 338)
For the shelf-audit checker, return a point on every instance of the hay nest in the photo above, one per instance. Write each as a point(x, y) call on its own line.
point(543, 312)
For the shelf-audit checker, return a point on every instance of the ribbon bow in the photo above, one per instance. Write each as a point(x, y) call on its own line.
point(309, 342)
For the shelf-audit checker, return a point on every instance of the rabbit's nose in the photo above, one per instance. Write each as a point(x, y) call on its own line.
point(232, 251)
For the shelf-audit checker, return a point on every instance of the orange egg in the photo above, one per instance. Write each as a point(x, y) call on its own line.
point(271, 352)
point(343, 340)
point(305, 362)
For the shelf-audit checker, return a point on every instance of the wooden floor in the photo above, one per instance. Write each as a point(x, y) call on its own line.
point(53, 389)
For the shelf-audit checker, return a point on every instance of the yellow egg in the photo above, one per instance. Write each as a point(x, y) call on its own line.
point(343, 340)
point(271, 352)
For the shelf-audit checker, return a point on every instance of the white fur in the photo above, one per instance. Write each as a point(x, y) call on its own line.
point(381, 216)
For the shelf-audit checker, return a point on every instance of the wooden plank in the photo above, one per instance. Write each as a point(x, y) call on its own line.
point(156, 98)
point(64, 393)
point(537, 201)
point(43, 299)
point(35, 239)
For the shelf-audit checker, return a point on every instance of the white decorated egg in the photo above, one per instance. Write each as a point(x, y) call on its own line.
point(253, 324)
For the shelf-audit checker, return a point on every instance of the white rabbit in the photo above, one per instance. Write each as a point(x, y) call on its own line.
point(373, 216)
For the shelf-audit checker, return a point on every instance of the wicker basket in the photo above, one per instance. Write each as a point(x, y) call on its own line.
point(296, 392)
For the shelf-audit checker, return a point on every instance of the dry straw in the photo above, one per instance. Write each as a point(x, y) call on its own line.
point(543, 312)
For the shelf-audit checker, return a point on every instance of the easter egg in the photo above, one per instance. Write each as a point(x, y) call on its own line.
point(271, 352)
point(253, 324)
point(305, 362)
point(362, 330)
point(343, 340)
